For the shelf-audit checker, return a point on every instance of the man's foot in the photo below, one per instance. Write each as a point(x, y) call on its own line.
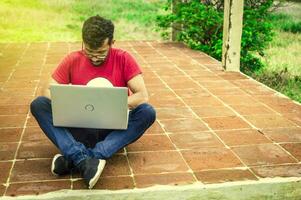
point(60, 166)
point(90, 169)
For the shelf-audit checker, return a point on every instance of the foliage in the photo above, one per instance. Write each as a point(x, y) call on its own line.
point(61, 20)
point(285, 22)
point(200, 25)
point(282, 81)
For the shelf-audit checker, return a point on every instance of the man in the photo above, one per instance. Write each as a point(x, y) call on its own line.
point(86, 150)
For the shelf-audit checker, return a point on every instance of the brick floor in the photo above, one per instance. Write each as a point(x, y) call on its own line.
point(212, 126)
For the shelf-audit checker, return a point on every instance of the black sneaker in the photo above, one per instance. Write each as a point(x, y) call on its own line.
point(91, 169)
point(61, 166)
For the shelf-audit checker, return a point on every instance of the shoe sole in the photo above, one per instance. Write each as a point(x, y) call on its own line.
point(100, 168)
point(52, 164)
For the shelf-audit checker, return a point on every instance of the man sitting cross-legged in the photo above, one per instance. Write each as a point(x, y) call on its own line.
point(86, 150)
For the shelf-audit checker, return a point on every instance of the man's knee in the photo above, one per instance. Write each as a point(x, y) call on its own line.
point(148, 112)
point(38, 103)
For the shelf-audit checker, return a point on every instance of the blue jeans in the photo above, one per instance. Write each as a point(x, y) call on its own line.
point(77, 144)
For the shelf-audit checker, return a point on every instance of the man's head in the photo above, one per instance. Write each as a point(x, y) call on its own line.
point(97, 36)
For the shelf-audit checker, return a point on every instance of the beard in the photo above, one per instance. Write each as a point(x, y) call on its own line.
point(97, 63)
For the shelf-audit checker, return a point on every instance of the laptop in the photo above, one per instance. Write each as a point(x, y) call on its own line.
point(89, 106)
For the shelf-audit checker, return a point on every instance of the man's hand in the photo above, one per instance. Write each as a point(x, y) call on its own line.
point(140, 95)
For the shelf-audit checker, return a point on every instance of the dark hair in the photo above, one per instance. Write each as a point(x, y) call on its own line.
point(95, 30)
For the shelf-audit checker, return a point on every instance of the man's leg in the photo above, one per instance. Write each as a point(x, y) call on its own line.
point(71, 149)
point(140, 119)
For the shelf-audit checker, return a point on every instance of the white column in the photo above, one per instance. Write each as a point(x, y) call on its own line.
point(232, 30)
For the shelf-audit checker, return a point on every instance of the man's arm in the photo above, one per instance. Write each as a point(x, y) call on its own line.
point(140, 95)
point(46, 89)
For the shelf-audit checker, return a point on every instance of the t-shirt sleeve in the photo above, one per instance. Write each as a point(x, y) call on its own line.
point(62, 73)
point(131, 67)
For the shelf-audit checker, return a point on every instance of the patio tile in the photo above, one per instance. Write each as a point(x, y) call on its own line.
point(293, 117)
point(203, 101)
point(269, 121)
point(33, 170)
point(242, 137)
point(191, 92)
point(294, 149)
point(238, 100)
point(226, 91)
point(156, 162)
point(211, 158)
point(163, 179)
point(161, 94)
point(37, 149)
point(198, 71)
point(22, 84)
point(34, 134)
point(206, 60)
point(210, 76)
point(151, 143)
point(195, 140)
point(274, 100)
point(217, 84)
point(16, 100)
point(181, 125)
point(156, 88)
point(232, 76)
point(252, 109)
point(31, 121)
point(259, 90)
point(36, 188)
point(226, 175)
point(152, 80)
point(154, 129)
point(108, 183)
point(173, 113)
point(223, 123)
point(263, 154)
point(177, 80)
point(292, 134)
point(289, 107)
point(10, 134)
point(12, 121)
point(183, 85)
point(5, 169)
point(17, 92)
point(2, 190)
point(166, 103)
point(287, 170)
point(13, 109)
point(213, 111)
point(7, 151)
point(169, 72)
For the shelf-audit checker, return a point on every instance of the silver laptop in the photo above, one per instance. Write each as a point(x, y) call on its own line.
point(89, 106)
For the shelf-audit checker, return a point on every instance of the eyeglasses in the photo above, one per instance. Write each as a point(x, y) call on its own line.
point(99, 55)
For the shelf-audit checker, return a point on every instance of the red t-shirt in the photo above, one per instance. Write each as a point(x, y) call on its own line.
point(119, 67)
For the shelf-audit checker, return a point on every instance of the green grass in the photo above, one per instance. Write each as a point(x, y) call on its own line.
point(282, 58)
point(61, 20)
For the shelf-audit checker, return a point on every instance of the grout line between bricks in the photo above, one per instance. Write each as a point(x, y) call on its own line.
point(190, 170)
point(165, 133)
point(185, 74)
point(278, 94)
point(24, 127)
point(241, 116)
point(131, 170)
